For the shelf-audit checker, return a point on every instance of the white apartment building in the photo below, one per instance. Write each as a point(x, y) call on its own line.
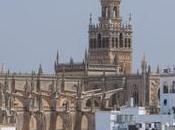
point(137, 118)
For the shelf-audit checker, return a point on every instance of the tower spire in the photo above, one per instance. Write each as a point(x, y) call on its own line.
point(86, 57)
point(130, 19)
point(158, 69)
point(56, 63)
point(90, 19)
point(57, 58)
point(40, 70)
point(144, 64)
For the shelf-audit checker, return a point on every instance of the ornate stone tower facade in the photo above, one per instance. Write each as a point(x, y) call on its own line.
point(110, 41)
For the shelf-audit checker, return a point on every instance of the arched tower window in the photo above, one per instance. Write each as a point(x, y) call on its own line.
point(113, 42)
point(91, 43)
point(95, 43)
point(105, 12)
point(99, 40)
point(121, 40)
point(129, 43)
point(115, 13)
point(116, 43)
point(107, 43)
point(103, 42)
point(126, 42)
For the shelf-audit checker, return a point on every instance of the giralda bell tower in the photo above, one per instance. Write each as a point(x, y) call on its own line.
point(110, 41)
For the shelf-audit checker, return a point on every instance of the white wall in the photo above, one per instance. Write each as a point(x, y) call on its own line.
point(102, 120)
point(7, 128)
point(170, 97)
point(133, 110)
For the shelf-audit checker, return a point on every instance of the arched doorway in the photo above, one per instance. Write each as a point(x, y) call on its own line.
point(33, 123)
point(84, 123)
point(59, 123)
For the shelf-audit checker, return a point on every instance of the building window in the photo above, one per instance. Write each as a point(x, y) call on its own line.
point(165, 102)
point(99, 40)
point(116, 42)
point(91, 43)
point(165, 89)
point(107, 42)
point(173, 87)
point(103, 42)
point(121, 40)
point(113, 42)
point(126, 42)
point(173, 110)
point(104, 12)
point(95, 43)
point(136, 96)
point(158, 94)
point(129, 43)
point(115, 13)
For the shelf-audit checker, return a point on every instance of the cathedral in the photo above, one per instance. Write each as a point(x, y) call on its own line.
point(69, 98)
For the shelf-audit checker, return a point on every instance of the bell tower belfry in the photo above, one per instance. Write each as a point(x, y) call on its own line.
point(110, 39)
point(110, 12)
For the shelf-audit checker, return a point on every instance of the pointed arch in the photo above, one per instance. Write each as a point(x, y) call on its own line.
point(115, 12)
point(33, 123)
point(116, 40)
point(105, 11)
point(59, 123)
point(18, 102)
point(45, 103)
point(89, 103)
point(84, 123)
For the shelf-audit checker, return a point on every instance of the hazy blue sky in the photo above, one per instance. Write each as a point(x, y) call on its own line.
point(31, 31)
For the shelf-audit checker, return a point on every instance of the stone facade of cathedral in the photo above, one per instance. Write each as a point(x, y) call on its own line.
point(68, 99)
